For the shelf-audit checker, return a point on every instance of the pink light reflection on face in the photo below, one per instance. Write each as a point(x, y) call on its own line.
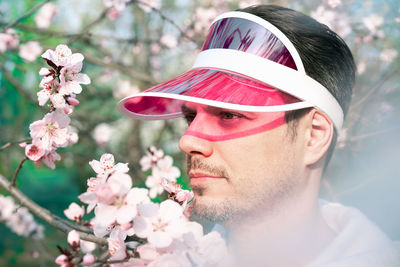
point(217, 124)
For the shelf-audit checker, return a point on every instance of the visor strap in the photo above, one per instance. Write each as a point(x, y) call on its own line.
point(274, 74)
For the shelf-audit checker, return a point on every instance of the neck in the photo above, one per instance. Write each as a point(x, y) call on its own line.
point(294, 235)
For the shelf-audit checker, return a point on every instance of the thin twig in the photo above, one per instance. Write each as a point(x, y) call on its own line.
point(47, 216)
point(373, 90)
point(14, 178)
point(27, 14)
point(363, 136)
point(164, 17)
point(125, 69)
point(8, 144)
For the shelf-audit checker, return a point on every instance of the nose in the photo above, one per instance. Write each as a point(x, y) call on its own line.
point(193, 145)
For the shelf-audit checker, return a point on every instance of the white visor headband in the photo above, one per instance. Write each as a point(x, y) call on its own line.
point(243, 45)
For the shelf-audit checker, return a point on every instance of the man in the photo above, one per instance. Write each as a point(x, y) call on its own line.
point(264, 103)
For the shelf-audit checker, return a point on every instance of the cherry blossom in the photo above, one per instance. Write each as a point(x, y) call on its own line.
point(373, 22)
point(19, 219)
point(8, 40)
point(388, 55)
point(148, 5)
point(51, 130)
point(176, 192)
point(203, 18)
point(338, 22)
point(49, 159)
point(45, 15)
point(63, 56)
point(102, 133)
point(35, 150)
point(87, 246)
point(116, 246)
point(125, 88)
point(30, 51)
point(161, 224)
point(70, 78)
point(333, 3)
point(153, 155)
point(74, 212)
point(106, 165)
point(169, 40)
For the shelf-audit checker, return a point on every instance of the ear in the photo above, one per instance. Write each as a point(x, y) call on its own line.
point(318, 136)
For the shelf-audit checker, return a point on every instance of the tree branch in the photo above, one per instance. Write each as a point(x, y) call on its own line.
point(8, 144)
point(14, 178)
point(30, 12)
point(47, 216)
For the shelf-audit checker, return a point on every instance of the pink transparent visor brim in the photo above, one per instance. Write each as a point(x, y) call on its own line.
point(203, 84)
point(213, 127)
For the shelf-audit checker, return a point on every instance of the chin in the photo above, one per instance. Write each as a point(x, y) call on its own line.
point(216, 210)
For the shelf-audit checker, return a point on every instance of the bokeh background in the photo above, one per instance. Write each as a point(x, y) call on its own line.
point(131, 45)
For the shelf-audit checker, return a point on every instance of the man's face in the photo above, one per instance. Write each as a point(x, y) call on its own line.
point(235, 177)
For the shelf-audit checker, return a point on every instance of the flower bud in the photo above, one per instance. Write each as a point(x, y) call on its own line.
point(62, 259)
point(74, 212)
point(88, 259)
point(73, 239)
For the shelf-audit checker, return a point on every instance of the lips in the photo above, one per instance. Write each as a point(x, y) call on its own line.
point(199, 175)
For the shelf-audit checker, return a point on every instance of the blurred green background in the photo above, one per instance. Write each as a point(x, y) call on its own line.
point(139, 48)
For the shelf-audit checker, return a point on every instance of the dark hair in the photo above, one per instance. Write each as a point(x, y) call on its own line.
point(326, 57)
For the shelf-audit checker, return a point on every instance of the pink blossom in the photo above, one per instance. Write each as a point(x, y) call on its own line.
point(102, 133)
point(113, 13)
point(30, 51)
point(106, 165)
point(45, 15)
point(147, 5)
point(49, 159)
point(35, 151)
point(388, 55)
point(118, 5)
point(203, 18)
point(153, 155)
point(87, 246)
point(336, 21)
point(63, 56)
point(174, 259)
point(88, 259)
point(373, 22)
point(116, 246)
point(333, 3)
point(160, 224)
point(51, 130)
point(70, 78)
point(62, 260)
point(8, 40)
point(44, 72)
point(148, 253)
point(125, 88)
point(74, 212)
point(73, 239)
point(7, 207)
point(176, 192)
point(169, 40)
point(49, 86)
point(155, 48)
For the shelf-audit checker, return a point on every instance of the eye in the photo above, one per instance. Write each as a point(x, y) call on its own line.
point(189, 117)
point(226, 115)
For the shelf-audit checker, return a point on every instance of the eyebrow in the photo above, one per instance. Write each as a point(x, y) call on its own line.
point(185, 109)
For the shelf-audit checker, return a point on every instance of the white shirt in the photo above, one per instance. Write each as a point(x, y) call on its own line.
point(358, 241)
